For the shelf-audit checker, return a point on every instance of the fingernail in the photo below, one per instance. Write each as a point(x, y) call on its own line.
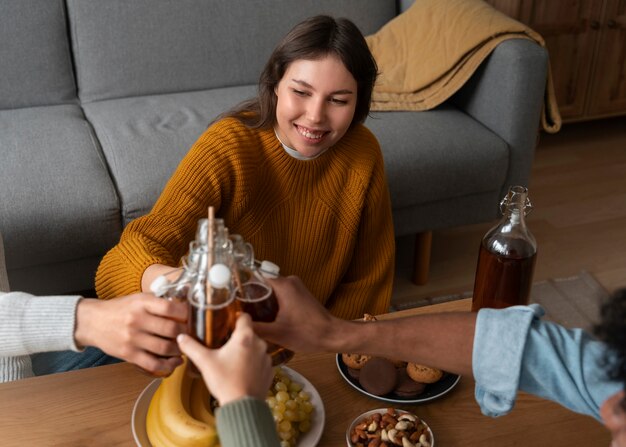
point(180, 338)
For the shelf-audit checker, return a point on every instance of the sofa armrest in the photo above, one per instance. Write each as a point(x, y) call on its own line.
point(506, 95)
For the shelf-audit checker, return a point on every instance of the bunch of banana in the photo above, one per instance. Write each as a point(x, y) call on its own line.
point(179, 414)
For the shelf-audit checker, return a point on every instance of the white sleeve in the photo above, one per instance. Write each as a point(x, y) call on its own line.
point(31, 324)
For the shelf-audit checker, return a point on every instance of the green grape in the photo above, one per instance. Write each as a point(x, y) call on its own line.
point(280, 386)
point(295, 386)
point(307, 407)
point(282, 396)
point(284, 426)
point(304, 426)
point(291, 404)
point(291, 408)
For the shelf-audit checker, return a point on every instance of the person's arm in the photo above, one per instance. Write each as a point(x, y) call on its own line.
point(238, 375)
point(516, 350)
point(440, 340)
point(246, 422)
point(140, 329)
point(161, 237)
point(504, 350)
point(30, 324)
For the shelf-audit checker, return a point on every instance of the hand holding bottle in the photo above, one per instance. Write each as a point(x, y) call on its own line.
point(240, 368)
point(137, 328)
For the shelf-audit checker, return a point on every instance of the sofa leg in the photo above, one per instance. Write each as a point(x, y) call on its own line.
point(421, 259)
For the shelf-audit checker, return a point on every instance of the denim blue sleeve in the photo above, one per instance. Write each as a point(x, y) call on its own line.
point(514, 349)
point(499, 341)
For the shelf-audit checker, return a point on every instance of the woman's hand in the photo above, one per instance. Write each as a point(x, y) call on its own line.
point(239, 368)
point(137, 328)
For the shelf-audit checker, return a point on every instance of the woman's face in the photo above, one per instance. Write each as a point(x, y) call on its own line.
point(614, 418)
point(315, 104)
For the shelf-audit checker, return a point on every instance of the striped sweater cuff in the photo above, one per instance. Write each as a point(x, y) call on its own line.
point(15, 368)
point(246, 422)
point(33, 324)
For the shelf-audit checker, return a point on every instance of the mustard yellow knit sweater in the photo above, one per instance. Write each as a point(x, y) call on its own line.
point(326, 220)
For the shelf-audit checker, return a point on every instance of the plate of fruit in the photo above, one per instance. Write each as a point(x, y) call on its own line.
point(179, 410)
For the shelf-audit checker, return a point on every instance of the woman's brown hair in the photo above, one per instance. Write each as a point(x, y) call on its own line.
point(312, 39)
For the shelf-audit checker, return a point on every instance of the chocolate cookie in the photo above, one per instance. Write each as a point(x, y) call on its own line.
point(423, 374)
point(407, 387)
point(378, 376)
point(354, 373)
point(355, 361)
point(397, 363)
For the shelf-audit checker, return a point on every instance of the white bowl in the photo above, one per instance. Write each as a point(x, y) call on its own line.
point(382, 411)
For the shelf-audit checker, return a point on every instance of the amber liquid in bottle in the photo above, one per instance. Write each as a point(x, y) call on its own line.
point(503, 280)
point(506, 259)
point(261, 304)
point(213, 326)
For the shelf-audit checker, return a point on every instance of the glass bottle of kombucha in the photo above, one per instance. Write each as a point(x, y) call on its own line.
point(507, 255)
point(254, 294)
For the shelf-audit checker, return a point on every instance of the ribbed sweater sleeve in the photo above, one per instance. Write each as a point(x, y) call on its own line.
point(163, 235)
point(326, 220)
point(33, 324)
point(246, 422)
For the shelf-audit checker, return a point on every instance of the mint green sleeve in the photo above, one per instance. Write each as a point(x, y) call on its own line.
point(246, 422)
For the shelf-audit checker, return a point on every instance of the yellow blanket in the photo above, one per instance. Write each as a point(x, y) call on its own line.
point(428, 52)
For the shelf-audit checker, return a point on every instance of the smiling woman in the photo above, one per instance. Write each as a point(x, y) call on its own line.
point(294, 171)
point(315, 105)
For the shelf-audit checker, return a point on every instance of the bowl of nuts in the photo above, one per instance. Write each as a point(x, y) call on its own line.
point(389, 427)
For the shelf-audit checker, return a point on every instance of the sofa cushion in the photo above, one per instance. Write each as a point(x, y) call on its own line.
point(142, 47)
point(144, 138)
point(439, 154)
point(35, 62)
point(57, 202)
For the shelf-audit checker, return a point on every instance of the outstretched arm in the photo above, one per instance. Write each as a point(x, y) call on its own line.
point(443, 340)
point(238, 375)
point(240, 368)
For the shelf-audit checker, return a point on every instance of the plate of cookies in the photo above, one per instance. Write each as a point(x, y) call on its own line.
point(395, 381)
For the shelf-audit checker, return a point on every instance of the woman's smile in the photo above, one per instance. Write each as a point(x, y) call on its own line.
point(315, 104)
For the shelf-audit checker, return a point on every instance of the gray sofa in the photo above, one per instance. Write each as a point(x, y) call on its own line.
point(100, 100)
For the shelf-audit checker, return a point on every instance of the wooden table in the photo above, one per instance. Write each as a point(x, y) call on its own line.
point(93, 408)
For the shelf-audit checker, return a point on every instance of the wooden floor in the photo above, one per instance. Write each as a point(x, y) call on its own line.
point(578, 189)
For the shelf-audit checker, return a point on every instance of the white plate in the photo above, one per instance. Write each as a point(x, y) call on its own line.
point(309, 439)
point(431, 391)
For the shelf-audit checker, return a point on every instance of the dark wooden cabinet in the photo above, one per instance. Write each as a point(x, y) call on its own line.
point(586, 40)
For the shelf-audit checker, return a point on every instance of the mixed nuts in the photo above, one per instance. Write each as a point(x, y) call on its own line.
point(389, 429)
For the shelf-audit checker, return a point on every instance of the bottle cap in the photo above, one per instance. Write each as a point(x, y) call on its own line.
point(269, 269)
point(219, 276)
point(159, 285)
